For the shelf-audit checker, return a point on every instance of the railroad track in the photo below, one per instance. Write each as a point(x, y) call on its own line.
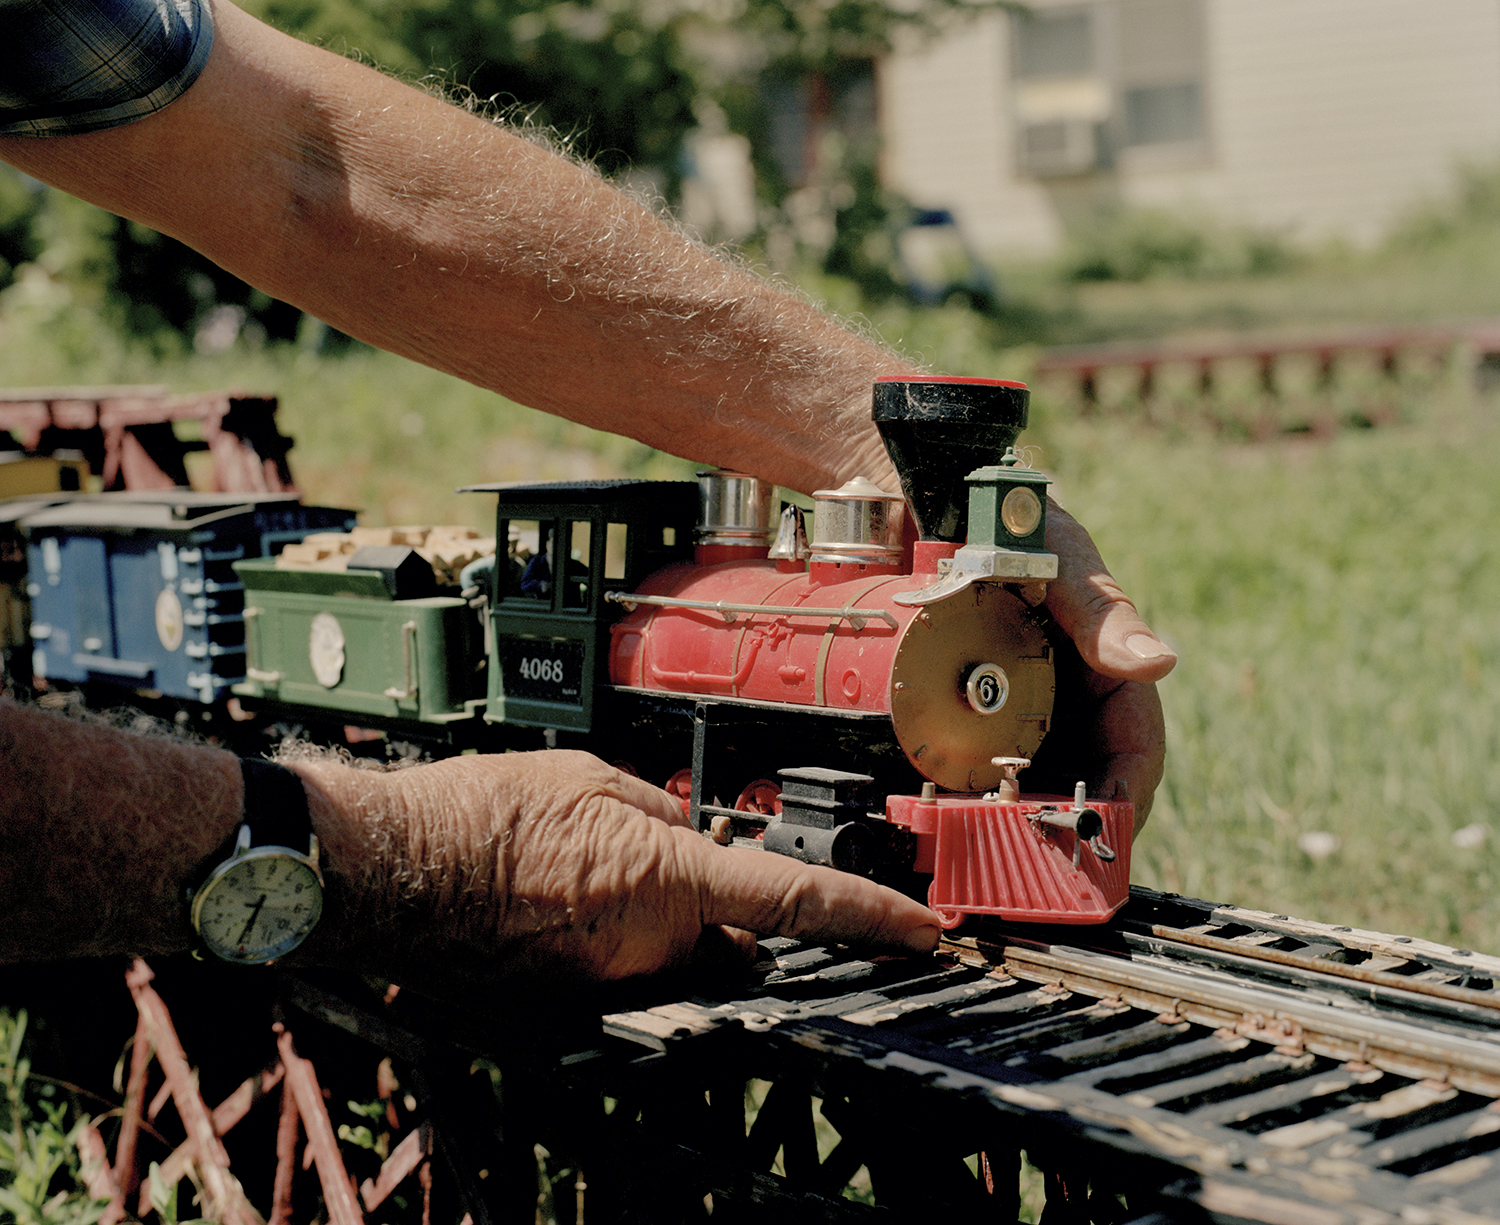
point(1190, 1063)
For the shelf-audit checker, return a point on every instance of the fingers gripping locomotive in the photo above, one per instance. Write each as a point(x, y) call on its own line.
point(914, 690)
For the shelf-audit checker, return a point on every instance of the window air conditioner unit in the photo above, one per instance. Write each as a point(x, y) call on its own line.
point(1053, 148)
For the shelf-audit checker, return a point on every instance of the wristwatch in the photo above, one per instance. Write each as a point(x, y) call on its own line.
point(265, 897)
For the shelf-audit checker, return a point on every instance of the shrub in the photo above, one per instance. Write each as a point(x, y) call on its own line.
point(40, 1174)
point(1134, 244)
point(1471, 206)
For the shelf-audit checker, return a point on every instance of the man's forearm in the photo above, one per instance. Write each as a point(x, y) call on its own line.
point(102, 829)
point(428, 231)
point(549, 867)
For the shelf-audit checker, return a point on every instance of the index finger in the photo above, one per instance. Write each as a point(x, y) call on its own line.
point(770, 894)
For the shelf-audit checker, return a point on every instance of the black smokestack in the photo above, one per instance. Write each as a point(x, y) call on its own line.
point(938, 430)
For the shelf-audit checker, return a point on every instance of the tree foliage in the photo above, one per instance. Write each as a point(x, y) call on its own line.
point(628, 78)
point(623, 82)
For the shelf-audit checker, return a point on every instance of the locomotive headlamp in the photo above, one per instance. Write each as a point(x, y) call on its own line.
point(1006, 501)
point(1007, 531)
point(1021, 511)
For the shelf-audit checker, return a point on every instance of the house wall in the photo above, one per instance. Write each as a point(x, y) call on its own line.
point(1321, 119)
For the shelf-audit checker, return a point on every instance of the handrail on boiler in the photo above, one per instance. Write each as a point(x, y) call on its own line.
point(857, 617)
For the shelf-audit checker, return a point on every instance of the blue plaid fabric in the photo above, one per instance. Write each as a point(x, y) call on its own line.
point(71, 66)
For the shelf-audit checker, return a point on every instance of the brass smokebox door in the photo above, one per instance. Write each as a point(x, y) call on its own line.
point(972, 680)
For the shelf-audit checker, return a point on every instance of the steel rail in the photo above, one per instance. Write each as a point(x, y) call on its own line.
point(1284, 1021)
point(1147, 906)
point(1300, 971)
point(1336, 969)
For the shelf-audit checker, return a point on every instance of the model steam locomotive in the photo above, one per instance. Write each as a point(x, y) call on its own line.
point(844, 698)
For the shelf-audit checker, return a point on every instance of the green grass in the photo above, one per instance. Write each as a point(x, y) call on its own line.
point(1333, 607)
point(40, 1172)
point(1408, 283)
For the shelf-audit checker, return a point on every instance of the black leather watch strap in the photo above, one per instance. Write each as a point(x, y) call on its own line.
point(275, 805)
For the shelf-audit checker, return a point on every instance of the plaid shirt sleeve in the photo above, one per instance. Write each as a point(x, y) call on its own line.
point(69, 66)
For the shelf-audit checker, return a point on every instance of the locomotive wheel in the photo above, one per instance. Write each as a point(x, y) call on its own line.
point(972, 680)
point(762, 796)
point(681, 785)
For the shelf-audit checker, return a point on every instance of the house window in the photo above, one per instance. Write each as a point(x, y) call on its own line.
point(1158, 114)
point(1062, 99)
point(1093, 84)
point(1056, 43)
point(1160, 72)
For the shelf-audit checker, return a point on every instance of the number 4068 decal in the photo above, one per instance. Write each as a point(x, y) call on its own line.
point(548, 671)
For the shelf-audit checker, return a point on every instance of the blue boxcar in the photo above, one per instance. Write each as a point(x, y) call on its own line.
point(139, 589)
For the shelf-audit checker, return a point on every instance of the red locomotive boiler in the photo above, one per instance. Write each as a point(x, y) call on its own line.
point(911, 684)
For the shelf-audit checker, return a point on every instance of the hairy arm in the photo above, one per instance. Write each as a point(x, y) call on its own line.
point(102, 829)
point(550, 867)
point(426, 230)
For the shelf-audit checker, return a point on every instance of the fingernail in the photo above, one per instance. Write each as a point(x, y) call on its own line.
point(922, 939)
point(1147, 646)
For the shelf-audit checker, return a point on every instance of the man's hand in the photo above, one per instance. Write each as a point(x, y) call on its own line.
point(555, 867)
point(1107, 727)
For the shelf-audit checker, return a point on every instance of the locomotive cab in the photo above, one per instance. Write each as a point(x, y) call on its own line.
point(570, 543)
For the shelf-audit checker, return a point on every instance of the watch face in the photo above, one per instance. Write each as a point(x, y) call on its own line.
point(258, 906)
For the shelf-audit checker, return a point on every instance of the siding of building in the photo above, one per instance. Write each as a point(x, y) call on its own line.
point(1322, 118)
